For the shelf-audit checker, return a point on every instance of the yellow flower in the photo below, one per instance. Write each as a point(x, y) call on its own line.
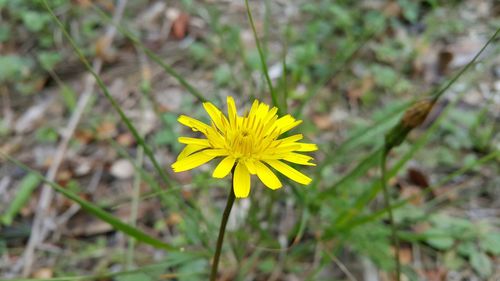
point(249, 144)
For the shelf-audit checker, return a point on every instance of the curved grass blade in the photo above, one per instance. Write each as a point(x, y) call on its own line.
point(29, 183)
point(441, 91)
point(113, 102)
point(377, 185)
point(97, 211)
point(157, 190)
point(168, 69)
point(170, 262)
point(375, 188)
point(376, 215)
point(371, 131)
point(265, 71)
point(341, 66)
point(367, 163)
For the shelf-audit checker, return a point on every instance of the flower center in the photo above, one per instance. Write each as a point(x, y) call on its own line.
point(243, 144)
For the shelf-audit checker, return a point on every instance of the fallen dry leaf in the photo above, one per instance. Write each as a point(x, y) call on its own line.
point(180, 26)
point(103, 49)
point(106, 130)
point(125, 139)
point(418, 177)
point(84, 136)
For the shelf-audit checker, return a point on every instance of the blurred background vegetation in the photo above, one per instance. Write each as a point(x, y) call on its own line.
point(349, 69)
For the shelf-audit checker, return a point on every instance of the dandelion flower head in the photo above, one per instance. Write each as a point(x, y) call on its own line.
point(248, 144)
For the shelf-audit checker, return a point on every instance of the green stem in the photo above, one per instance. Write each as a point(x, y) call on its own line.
point(156, 58)
point(222, 231)
point(462, 71)
point(107, 94)
point(262, 59)
point(391, 216)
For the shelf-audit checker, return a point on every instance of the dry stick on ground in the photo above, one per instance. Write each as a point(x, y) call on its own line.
point(40, 228)
point(146, 78)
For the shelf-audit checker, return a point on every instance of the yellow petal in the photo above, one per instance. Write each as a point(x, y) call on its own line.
point(188, 150)
point(216, 152)
point(225, 166)
point(298, 159)
point(250, 164)
point(270, 114)
point(215, 114)
point(286, 148)
point(286, 123)
point(194, 124)
point(291, 139)
point(307, 147)
point(231, 111)
point(192, 161)
point(241, 181)
point(253, 109)
point(262, 111)
point(289, 171)
point(267, 176)
point(195, 141)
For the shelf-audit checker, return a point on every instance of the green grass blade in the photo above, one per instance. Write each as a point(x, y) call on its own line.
point(146, 177)
point(96, 211)
point(376, 187)
point(464, 69)
point(113, 102)
point(377, 214)
point(367, 163)
point(369, 132)
point(387, 202)
point(341, 66)
point(265, 71)
point(168, 263)
point(29, 183)
point(285, 82)
point(168, 69)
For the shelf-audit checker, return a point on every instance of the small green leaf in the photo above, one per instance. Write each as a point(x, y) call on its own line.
point(439, 238)
point(490, 243)
point(267, 266)
point(49, 59)
point(4, 33)
point(410, 9)
point(481, 263)
point(69, 96)
point(25, 189)
point(35, 21)
point(14, 67)
point(466, 249)
point(46, 135)
point(452, 260)
point(222, 75)
point(384, 76)
point(199, 51)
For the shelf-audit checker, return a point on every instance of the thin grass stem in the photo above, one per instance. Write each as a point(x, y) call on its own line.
point(441, 91)
point(265, 71)
point(387, 201)
point(113, 102)
point(168, 69)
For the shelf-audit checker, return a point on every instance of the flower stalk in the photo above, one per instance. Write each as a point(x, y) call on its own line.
point(222, 231)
